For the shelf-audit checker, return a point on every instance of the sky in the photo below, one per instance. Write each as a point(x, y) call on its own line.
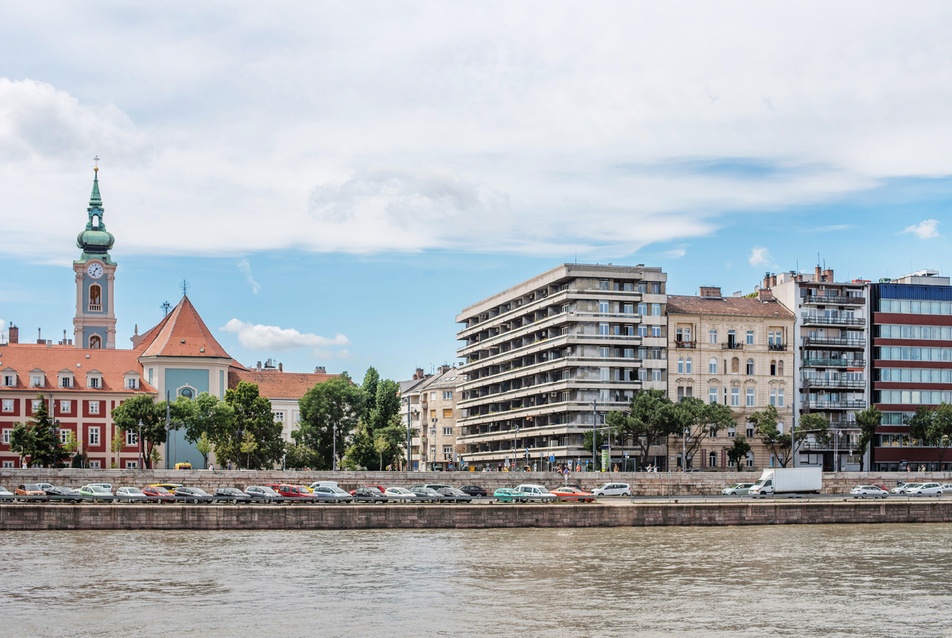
point(337, 181)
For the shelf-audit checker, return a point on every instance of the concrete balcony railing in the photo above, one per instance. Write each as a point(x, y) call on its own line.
point(823, 320)
point(811, 362)
point(823, 404)
point(834, 383)
point(840, 342)
point(834, 300)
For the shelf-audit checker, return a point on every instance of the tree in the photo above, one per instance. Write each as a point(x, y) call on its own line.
point(143, 408)
point(600, 439)
point(369, 386)
point(652, 418)
point(118, 442)
point(816, 426)
point(204, 447)
point(868, 421)
point(707, 419)
point(336, 402)
point(250, 438)
point(766, 424)
point(739, 451)
point(933, 426)
point(39, 440)
point(205, 416)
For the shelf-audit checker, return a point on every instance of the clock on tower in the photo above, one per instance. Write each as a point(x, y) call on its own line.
point(94, 325)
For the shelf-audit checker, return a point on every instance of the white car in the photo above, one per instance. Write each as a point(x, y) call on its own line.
point(737, 489)
point(926, 489)
point(399, 494)
point(537, 492)
point(862, 491)
point(613, 489)
point(904, 488)
point(6, 495)
point(131, 495)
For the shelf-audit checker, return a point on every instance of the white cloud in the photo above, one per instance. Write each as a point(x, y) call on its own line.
point(759, 256)
point(245, 267)
point(271, 338)
point(675, 253)
point(926, 229)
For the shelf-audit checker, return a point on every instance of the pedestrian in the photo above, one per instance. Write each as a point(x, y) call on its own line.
point(211, 466)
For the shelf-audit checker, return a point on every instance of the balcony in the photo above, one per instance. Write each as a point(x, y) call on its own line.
point(826, 404)
point(95, 307)
point(810, 362)
point(779, 347)
point(685, 344)
point(840, 342)
point(732, 346)
point(834, 383)
point(842, 442)
point(833, 300)
point(823, 320)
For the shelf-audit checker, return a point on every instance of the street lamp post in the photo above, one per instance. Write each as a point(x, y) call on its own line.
point(139, 441)
point(334, 460)
point(594, 431)
point(515, 456)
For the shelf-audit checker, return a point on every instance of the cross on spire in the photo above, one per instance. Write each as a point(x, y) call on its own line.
point(96, 159)
point(185, 287)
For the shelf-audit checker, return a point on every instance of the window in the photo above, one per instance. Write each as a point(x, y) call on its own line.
point(735, 397)
point(642, 331)
point(712, 459)
point(65, 406)
point(687, 367)
point(656, 375)
point(712, 366)
point(642, 374)
point(603, 307)
point(95, 342)
point(35, 405)
point(603, 329)
point(750, 459)
point(656, 289)
point(680, 366)
point(629, 353)
point(279, 417)
point(447, 431)
point(132, 465)
point(132, 384)
point(95, 465)
point(36, 381)
point(447, 395)
point(66, 382)
point(712, 335)
point(9, 380)
point(780, 368)
point(655, 331)
point(750, 367)
point(132, 438)
point(604, 352)
point(448, 414)
point(432, 414)
point(656, 309)
point(780, 397)
point(94, 436)
point(732, 432)
point(94, 407)
point(603, 284)
point(605, 374)
point(629, 308)
point(64, 435)
point(433, 396)
point(750, 337)
point(642, 309)
point(8, 405)
point(773, 368)
point(773, 397)
point(750, 431)
point(188, 393)
point(735, 365)
point(6, 436)
point(712, 395)
point(94, 382)
point(750, 397)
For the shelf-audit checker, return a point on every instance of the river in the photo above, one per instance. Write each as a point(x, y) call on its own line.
point(833, 580)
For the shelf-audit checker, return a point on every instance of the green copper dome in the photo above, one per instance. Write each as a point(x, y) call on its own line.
point(95, 240)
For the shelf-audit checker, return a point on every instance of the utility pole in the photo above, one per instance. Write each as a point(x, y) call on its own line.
point(594, 430)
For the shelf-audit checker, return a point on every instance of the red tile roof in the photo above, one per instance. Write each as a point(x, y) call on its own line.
point(112, 364)
point(182, 333)
point(275, 384)
point(728, 306)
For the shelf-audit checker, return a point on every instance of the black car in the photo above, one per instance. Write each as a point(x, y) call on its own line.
point(262, 494)
point(453, 495)
point(64, 494)
point(231, 495)
point(474, 490)
point(193, 495)
point(369, 495)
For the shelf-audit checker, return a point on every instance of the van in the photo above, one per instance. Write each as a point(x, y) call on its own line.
point(613, 489)
point(323, 484)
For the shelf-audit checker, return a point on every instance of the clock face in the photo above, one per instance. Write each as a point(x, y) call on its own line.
point(94, 269)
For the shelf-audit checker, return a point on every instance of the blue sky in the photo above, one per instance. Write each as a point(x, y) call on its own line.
point(337, 182)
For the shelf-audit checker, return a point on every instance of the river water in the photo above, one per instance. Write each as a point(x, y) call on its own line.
point(833, 580)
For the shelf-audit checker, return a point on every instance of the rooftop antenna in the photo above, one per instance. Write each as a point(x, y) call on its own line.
point(185, 287)
point(166, 306)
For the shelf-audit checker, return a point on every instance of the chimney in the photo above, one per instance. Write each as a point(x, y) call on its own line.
point(320, 370)
point(817, 273)
point(259, 367)
point(418, 374)
point(773, 280)
point(764, 294)
point(711, 291)
point(14, 335)
point(828, 275)
point(280, 367)
point(444, 369)
point(766, 280)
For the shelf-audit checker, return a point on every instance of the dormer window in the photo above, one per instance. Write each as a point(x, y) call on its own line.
point(65, 379)
point(9, 379)
point(94, 379)
point(132, 384)
point(37, 379)
point(131, 380)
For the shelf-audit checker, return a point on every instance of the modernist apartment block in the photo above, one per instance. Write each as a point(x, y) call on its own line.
point(912, 363)
point(734, 351)
point(831, 336)
point(547, 359)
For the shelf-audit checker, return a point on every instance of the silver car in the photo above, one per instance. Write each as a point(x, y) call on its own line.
point(130, 495)
point(862, 491)
point(737, 489)
point(926, 489)
point(904, 488)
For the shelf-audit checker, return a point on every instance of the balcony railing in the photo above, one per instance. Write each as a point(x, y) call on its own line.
point(834, 299)
point(95, 307)
point(811, 362)
point(733, 346)
point(685, 344)
point(843, 342)
point(834, 383)
point(842, 442)
point(820, 404)
point(777, 346)
point(809, 318)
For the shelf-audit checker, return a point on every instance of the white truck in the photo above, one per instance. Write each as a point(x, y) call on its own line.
point(788, 480)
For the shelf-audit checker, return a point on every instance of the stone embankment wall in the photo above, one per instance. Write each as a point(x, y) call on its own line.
point(660, 484)
point(267, 517)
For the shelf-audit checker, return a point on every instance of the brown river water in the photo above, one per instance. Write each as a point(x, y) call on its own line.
point(833, 580)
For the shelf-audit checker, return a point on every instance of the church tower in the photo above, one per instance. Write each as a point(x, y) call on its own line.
point(94, 325)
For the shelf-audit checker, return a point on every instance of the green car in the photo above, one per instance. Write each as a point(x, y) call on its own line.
point(96, 493)
point(509, 495)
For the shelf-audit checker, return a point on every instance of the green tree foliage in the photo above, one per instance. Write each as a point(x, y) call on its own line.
point(142, 407)
point(38, 442)
point(933, 426)
point(371, 380)
point(250, 438)
point(868, 421)
point(737, 453)
point(204, 447)
point(815, 427)
point(301, 457)
point(600, 439)
point(380, 412)
point(335, 402)
point(205, 416)
point(651, 419)
point(766, 424)
point(706, 419)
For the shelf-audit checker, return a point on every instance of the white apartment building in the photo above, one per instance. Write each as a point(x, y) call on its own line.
point(429, 408)
point(545, 360)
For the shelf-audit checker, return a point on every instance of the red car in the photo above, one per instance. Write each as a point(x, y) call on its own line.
point(156, 494)
point(293, 491)
point(573, 494)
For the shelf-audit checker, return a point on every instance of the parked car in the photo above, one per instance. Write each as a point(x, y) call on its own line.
point(737, 489)
point(295, 492)
point(65, 494)
point(322, 484)
point(474, 490)
point(369, 495)
point(330, 494)
point(400, 494)
point(537, 492)
point(130, 495)
point(262, 493)
point(426, 494)
point(6, 495)
point(926, 489)
point(171, 487)
point(193, 495)
point(862, 491)
point(105, 486)
point(158, 494)
point(432, 486)
point(946, 488)
point(453, 495)
point(45, 486)
point(613, 489)
point(903, 488)
point(95, 493)
point(30, 492)
point(231, 495)
point(573, 494)
point(183, 466)
point(509, 495)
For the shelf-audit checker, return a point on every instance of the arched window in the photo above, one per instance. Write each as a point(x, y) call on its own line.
point(735, 366)
point(680, 366)
point(187, 392)
point(773, 368)
point(95, 342)
point(712, 459)
point(712, 366)
point(95, 297)
point(750, 367)
point(780, 368)
point(687, 367)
